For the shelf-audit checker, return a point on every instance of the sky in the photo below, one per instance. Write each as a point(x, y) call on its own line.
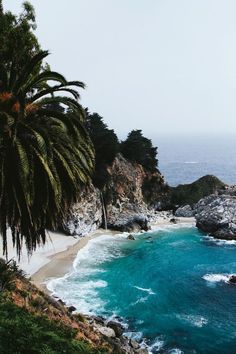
point(164, 66)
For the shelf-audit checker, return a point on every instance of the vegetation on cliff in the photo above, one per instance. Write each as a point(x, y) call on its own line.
point(139, 149)
point(193, 192)
point(106, 146)
point(39, 323)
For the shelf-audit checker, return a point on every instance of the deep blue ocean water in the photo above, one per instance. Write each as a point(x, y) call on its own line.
point(184, 159)
point(169, 286)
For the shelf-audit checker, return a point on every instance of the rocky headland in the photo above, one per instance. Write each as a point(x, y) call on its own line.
point(127, 201)
point(133, 197)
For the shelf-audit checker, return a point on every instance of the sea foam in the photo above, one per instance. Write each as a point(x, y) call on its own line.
point(219, 242)
point(76, 288)
point(216, 278)
point(149, 291)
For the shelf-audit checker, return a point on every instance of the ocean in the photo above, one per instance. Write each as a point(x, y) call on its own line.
point(185, 159)
point(169, 287)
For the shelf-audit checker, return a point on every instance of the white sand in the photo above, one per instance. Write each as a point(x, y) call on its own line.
point(56, 242)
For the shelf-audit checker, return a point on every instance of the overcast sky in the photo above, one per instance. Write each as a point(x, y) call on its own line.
point(163, 66)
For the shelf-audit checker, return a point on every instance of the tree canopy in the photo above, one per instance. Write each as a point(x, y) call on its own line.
point(106, 145)
point(139, 149)
point(45, 150)
point(17, 38)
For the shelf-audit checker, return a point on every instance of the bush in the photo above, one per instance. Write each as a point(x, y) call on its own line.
point(8, 273)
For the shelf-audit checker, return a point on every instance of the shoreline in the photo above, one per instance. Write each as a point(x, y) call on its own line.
point(60, 263)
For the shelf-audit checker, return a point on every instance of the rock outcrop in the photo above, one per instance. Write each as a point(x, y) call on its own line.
point(216, 214)
point(190, 194)
point(132, 195)
point(86, 215)
point(185, 211)
point(232, 279)
point(124, 204)
point(127, 205)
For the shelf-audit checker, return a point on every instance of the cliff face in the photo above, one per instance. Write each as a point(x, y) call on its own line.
point(129, 196)
point(86, 215)
point(125, 193)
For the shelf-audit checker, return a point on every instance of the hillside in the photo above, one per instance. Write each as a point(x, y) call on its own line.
point(43, 325)
point(191, 193)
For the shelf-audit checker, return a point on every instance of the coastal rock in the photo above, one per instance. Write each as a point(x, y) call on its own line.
point(86, 215)
point(134, 344)
point(185, 211)
point(71, 308)
point(117, 327)
point(130, 237)
point(107, 332)
point(173, 220)
point(232, 279)
point(216, 214)
point(142, 351)
point(128, 200)
point(129, 223)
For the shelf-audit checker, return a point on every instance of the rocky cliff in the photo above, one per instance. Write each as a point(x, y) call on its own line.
point(216, 214)
point(132, 196)
point(126, 202)
point(86, 215)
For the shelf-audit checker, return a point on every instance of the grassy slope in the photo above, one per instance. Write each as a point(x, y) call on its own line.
point(33, 322)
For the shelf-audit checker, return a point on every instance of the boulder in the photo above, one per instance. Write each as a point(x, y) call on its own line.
point(117, 327)
point(130, 237)
point(129, 223)
point(232, 279)
point(134, 344)
point(173, 221)
point(107, 332)
point(185, 211)
point(216, 214)
point(71, 308)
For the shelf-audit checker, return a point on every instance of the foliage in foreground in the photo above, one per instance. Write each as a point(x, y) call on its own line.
point(22, 332)
point(9, 271)
point(45, 151)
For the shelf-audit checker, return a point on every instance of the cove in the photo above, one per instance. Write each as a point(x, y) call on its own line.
point(169, 286)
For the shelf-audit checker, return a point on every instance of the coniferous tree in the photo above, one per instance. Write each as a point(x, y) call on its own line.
point(106, 145)
point(139, 149)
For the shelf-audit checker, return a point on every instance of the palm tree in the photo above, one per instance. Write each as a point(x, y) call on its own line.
point(45, 152)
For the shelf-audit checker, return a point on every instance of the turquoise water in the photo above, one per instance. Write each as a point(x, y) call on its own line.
point(169, 286)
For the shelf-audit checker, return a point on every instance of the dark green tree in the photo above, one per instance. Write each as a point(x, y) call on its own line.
point(17, 38)
point(139, 149)
point(106, 145)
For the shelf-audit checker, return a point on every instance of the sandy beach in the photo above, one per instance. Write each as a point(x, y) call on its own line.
point(55, 258)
